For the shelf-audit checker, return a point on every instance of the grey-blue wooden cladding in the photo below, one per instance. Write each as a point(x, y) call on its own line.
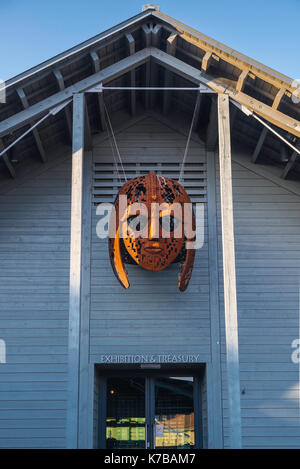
point(152, 316)
point(266, 224)
point(34, 257)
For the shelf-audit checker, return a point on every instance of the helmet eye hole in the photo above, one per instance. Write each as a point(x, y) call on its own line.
point(169, 223)
point(137, 223)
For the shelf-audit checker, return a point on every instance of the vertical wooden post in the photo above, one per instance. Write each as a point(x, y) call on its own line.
point(75, 270)
point(86, 392)
point(213, 369)
point(229, 276)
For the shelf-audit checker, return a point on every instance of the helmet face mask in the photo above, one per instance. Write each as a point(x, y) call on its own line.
point(150, 227)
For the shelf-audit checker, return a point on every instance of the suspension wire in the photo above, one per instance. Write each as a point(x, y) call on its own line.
point(52, 112)
point(276, 133)
point(115, 142)
point(248, 112)
point(113, 151)
point(189, 138)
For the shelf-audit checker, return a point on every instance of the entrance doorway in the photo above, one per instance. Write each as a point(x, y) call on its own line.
point(150, 410)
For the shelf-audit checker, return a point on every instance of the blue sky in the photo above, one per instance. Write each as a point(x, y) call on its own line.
point(35, 30)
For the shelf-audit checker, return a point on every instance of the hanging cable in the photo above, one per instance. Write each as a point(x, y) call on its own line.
point(248, 112)
point(52, 112)
point(115, 142)
point(189, 138)
point(113, 151)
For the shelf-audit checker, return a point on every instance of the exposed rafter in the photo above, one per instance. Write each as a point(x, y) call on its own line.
point(61, 85)
point(278, 98)
point(259, 144)
point(6, 161)
point(109, 73)
point(131, 48)
point(264, 132)
point(171, 49)
point(289, 166)
point(206, 61)
point(212, 128)
point(156, 38)
point(220, 86)
point(147, 32)
point(156, 35)
point(226, 53)
point(240, 85)
point(88, 141)
point(35, 131)
point(97, 68)
point(172, 63)
point(242, 80)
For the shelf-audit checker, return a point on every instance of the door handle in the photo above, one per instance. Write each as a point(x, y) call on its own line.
point(146, 436)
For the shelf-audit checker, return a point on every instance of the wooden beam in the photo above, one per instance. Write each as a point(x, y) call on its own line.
point(111, 35)
point(289, 166)
point(131, 48)
point(170, 49)
point(85, 390)
point(61, 85)
point(217, 84)
point(206, 61)
point(264, 131)
point(240, 85)
point(156, 35)
point(214, 373)
point(178, 66)
point(225, 53)
point(229, 273)
point(113, 71)
point(147, 32)
point(278, 98)
point(212, 128)
point(35, 131)
point(259, 145)
point(75, 271)
point(156, 38)
point(7, 162)
point(97, 68)
point(87, 129)
point(250, 83)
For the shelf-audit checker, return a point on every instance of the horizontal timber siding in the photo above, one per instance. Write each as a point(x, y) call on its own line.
point(34, 259)
point(152, 316)
point(267, 242)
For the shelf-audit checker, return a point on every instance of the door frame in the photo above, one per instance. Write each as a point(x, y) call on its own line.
point(150, 375)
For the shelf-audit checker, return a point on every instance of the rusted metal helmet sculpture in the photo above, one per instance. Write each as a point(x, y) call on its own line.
point(149, 227)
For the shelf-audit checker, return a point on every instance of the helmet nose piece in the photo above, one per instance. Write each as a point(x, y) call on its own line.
point(154, 229)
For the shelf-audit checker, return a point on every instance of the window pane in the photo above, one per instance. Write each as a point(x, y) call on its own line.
point(125, 422)
point(174, 413)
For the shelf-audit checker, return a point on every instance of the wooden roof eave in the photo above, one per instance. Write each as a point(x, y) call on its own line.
point(228, 54)
point(90, 43)
point(170, 62)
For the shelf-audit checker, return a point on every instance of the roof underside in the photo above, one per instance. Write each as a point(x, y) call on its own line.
point(152, 29)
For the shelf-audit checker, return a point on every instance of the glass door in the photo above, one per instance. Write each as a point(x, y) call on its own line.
point(125, 414)
point(151, 411)
point(174, 422)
